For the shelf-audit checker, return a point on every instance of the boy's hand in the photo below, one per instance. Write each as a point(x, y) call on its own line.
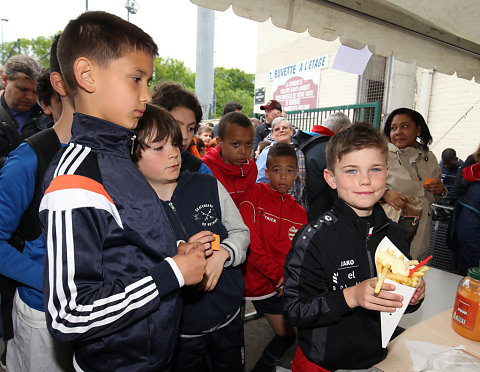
point(214, 269)
point(435, 187)
point(419, 292)
point(204, 237)
point(362, 295)
point(279, 287)
point(395, 199)
point(186, 248)
point(192, 263)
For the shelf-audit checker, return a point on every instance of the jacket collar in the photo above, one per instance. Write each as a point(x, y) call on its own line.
point(103, 135)
point(215, 157)
point(412, 154)
point(380, 220)
point(320, 129)
point(275, 195)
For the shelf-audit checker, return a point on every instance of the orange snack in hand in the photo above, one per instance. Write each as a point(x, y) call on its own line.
point(216, 242)
point(429, 180)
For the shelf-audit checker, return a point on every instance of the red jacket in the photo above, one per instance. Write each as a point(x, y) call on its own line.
point(234, 178)
point(273, 220)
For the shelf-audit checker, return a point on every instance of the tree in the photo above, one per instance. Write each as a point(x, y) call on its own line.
point(170, 69)
point(38, 48)
point(234, 85)
point(230, 84)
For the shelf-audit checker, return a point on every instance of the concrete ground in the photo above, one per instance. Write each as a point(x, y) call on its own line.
point(257, 335)
point(2, 347)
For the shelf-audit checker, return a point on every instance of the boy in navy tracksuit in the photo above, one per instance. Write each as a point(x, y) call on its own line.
point(112, 268)
point(330, 270)
point(198, 206)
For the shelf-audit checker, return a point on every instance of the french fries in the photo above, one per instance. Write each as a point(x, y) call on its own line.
point(381, 280)
point(398, 269)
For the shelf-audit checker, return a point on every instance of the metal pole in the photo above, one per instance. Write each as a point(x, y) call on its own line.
point(1, 31)
point(86, 5)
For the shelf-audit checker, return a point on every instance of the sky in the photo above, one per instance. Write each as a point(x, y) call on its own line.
point(171, 23)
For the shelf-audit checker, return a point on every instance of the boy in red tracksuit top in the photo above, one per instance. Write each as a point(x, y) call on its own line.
point(230, 160)
point(273, 217)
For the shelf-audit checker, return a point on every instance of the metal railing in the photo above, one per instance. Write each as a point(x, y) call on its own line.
point(365, 112)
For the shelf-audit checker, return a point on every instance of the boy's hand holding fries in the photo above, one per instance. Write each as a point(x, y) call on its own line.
point(363, 295)
point(377, 295)
point(397, 268)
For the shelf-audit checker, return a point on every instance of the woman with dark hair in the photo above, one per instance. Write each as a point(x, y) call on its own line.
point(414, 176)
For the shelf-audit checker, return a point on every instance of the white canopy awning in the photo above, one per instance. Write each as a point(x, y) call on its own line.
point(441, 34)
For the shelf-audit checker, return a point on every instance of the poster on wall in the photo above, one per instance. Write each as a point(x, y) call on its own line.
point(296, 86)
point(259, 96)
point(298, 92)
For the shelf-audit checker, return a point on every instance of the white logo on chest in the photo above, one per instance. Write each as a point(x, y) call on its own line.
point(205, 213)
point(271, 219)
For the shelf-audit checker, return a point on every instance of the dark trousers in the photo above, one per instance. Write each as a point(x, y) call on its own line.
point(7, 291)
point(218, 351)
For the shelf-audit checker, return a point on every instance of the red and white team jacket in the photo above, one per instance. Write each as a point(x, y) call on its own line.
point(234, 178)
point(273, 220)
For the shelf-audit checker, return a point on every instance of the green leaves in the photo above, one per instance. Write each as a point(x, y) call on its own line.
point(230, 84)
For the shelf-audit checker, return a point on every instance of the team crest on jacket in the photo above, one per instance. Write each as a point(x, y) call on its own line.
point(291, 232)
point(205, 213)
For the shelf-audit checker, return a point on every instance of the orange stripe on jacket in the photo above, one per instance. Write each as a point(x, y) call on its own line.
point(72, 181)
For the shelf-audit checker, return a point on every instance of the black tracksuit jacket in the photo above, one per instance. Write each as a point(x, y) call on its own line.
point(327, 256)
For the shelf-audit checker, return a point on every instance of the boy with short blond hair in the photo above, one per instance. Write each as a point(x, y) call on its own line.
point(330, 270)
point(111, 284)
point(230, 159)
point(273, 217)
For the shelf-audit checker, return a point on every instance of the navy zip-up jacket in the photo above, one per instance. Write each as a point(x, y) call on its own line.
point(196, 206)
point(109, 281)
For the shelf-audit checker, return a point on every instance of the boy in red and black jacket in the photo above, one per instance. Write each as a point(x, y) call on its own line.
point(230, 160)
point(273, 217)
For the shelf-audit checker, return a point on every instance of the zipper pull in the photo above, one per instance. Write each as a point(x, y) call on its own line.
point(370, 231)
point(170, 204)
point(241, 170)
point(133, 143)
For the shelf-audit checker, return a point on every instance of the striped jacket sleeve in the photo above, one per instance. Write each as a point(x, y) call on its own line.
point(80, 302)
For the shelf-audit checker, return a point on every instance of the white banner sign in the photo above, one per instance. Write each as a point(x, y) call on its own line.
point(299, 68)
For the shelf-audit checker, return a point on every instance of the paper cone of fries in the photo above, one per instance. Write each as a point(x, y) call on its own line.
point(389, 321)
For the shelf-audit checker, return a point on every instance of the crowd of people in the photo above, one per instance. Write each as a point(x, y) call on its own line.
point(131, 234)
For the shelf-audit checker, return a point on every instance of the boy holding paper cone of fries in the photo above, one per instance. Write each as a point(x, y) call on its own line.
point(330, 272)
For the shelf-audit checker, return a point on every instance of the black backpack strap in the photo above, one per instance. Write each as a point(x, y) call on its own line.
point(45, 144)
